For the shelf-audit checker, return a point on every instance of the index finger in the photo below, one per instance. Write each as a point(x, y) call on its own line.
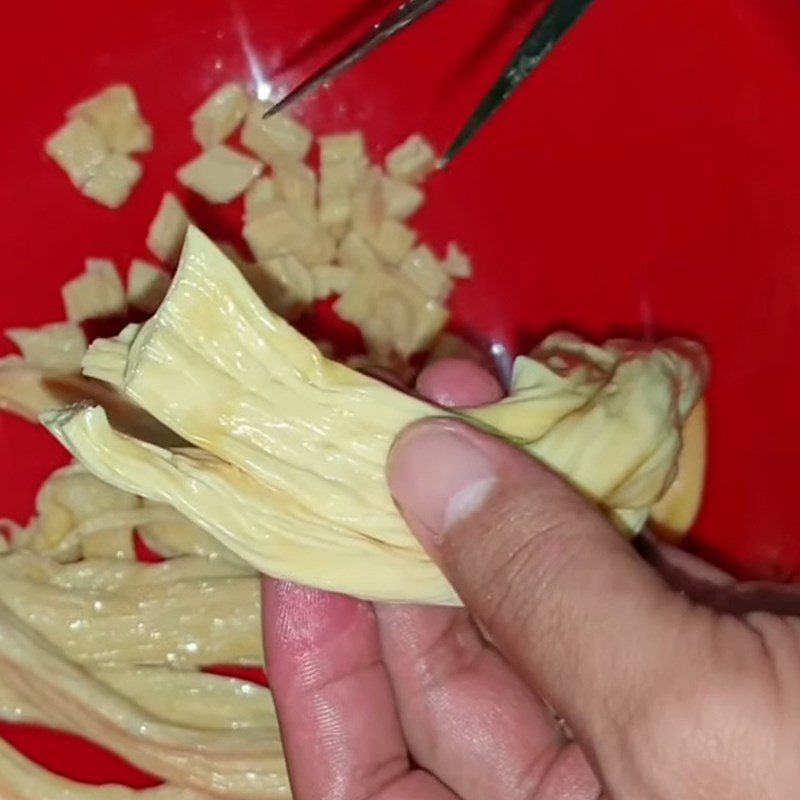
point(342, 737)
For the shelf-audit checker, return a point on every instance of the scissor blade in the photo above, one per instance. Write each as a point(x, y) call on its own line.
point(408, 13)
point(548, 31)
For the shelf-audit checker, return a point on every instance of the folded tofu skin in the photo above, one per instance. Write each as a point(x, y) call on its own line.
point(288, 449)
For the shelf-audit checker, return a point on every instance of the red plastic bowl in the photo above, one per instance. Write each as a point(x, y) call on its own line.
point(645, 181)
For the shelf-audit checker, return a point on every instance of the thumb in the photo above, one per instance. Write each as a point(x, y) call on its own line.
point(559, 591)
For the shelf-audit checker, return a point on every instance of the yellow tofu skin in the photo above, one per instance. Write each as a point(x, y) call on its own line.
point(292, 446)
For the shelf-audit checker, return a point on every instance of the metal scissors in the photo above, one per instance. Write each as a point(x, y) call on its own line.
point(546, 33)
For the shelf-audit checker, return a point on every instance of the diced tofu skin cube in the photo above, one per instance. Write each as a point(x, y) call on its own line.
point(147, 285)
point(96, 293)
point(382, 310)
point(260, 194)
point(393, 241)
point(115, 113)
point(294, 279)
point(330, 280)
point(411, 161)
point(339, 148)
point(343, 161)
point(390, 329)
point(220, 115)
point(296, 185)
point(114, 180)
point(335, 202)
point(357, 302)
point(355, 253)
point(456, 263)
point(368, 205)
point(405, 321)
point(431, 317)
point(284, 284)
point(278, 232)
point(403, 200)
point(423, 269)
point(275, 137)
point(319, 249)
point(392, 314)
point(168, 229)
point(79, 149)
point(274, 232)
point(220, 174)
point(104, 272)
point(57, 348)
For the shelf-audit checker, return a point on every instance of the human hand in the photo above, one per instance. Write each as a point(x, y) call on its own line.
point(669, 699)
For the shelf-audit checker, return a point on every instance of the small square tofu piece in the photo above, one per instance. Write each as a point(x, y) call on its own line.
point(220, 115)
point(431, 317)
point(329, 280)
point(284, 284)
point(220, 174)
point(423, 269)
point(58, 347)
point(391, 313)
point(343, 148)
point(335, 196)
point(294, 279)
point(115, 113)
point(296, 185)
point(79, 149)
point(274, 232)
point(168, 229)
point(147, 285)
point(390, 329)
point(402, 199)
point(276, 137)
point(393, 241)
point(411, 161)
point(356, 254)
point(343, 161)
point(278, 232)
point(383, 315)
point(456, 262)
point(368, 204)
point(96, 293)
point(261, 193)
point(114, 180)
point(357, 303)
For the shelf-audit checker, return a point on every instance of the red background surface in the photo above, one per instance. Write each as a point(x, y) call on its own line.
point(646, 180)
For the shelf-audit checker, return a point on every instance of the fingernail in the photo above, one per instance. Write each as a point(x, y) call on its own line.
point(439, 478)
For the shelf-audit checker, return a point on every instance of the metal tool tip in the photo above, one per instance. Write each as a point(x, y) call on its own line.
point(276, 107)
